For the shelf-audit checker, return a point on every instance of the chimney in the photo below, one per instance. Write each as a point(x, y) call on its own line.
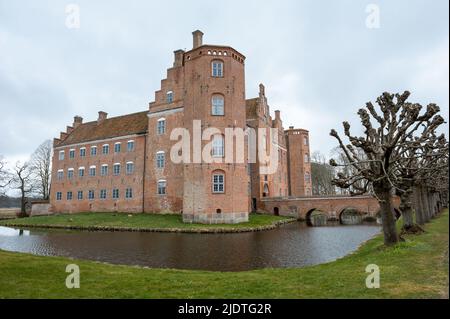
point(178, 58)
point(277, 114)
point(77, 121)
point(291, 127)
point(101, 116)
point(197, 37)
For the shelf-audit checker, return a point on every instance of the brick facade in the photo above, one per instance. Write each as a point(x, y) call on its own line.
point(207, 84)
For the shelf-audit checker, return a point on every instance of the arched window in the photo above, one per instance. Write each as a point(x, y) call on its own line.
point(217, 103)
point(162, 184)
point(217, 68)
point(218, 146)
point(265, 190)
point(161, 126)
point(307, 177)
point(169, 97)
point(218, 182)
point(160, 159)
point(306, 158)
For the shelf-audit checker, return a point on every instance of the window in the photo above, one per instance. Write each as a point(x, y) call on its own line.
point(58, 195)
point(217, 69)
point(130, 146)
point(117, 147)
point(116, 169)
point(104, 170)
point(305, 140)
point(130, 167)
point(92, 170)
point(161, 126)
point(307, 177)
point(161, 187)
point(83, 152)
point(218, 183)
point(61, 155)
point(115, 193)
point(70, 173)
point(103, 194)
point(81, 171)
point(306, 158)
point(91, 194)
point(80, 195)
point(218, 146)
point(129, 193)
point(169, 97)
point(69, 195)
point(72, 153)
point(217, 105)
point(93, 150)
point(105, 149)
point(60, 174)
point(160, 158)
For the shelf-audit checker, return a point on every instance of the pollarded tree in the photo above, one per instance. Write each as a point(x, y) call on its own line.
point(381, 144)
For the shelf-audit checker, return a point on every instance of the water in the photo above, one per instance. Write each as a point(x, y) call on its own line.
point(291, 245)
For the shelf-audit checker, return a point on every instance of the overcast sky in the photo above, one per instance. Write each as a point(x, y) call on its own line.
point(318, 59)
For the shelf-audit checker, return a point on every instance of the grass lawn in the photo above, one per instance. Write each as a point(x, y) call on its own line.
point(137, 221)
point(416, 268)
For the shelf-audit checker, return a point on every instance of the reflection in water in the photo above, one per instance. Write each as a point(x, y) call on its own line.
point(292, 245)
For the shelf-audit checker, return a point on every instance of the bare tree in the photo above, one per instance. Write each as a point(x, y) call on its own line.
point(322, 175)
point(381, 145)
point(23, 179)
point(4, 175)
point(40, 164)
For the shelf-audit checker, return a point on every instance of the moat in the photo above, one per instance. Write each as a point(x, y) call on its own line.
point(291, 245)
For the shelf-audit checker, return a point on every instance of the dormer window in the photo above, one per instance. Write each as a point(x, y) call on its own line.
point(169, 97)
point(217, 68)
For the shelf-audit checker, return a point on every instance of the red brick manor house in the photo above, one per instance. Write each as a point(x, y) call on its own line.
point(124, 163)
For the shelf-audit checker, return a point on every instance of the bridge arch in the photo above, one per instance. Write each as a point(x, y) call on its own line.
point(309, 218)
point(350, 216)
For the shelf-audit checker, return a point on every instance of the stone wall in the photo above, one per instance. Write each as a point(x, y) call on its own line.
point(40, 209)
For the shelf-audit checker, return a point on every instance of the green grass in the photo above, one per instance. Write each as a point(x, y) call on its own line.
point(136, 221)
point(416, 268)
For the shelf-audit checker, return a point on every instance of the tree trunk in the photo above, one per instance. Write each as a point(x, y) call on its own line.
point(418, 206)
point(387, 215)
point(426, 207)
point(409, 226)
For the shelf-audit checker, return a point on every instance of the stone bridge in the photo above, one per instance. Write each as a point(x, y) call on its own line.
point(332, 206)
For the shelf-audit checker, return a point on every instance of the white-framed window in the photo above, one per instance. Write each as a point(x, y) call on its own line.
point(117, 147)
point(115, 193)
point(218, 183)
point(70, 173)
point(116, 169)
point(129, 192)
point(130, 146)
point(91, 194)
point(160, 159)
point(61, 155)
point(69, 195)
point(217, 68)
point(58, 195)
point(81, 171)
point(80, 195)
point(72, 153)
point(130, 167)
point(217, 103)
point(169, 96)
point(93, 150)
point(82, 151)
point(92, 170)
point(103, 194)
point(104, 170)
point(60, 174)
point(306, 158)
point(307, 177)
point(162, 185)
point(218, 146)
point(161, 126)
point(105, 149)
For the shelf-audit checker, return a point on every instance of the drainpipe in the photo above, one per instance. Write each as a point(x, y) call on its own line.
point(144, 173)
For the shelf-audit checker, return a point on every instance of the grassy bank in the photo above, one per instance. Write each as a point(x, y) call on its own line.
point(144, 222)
point(416, 268)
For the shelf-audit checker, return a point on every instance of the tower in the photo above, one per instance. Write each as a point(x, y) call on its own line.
point(214, 98)
point(299, 166)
